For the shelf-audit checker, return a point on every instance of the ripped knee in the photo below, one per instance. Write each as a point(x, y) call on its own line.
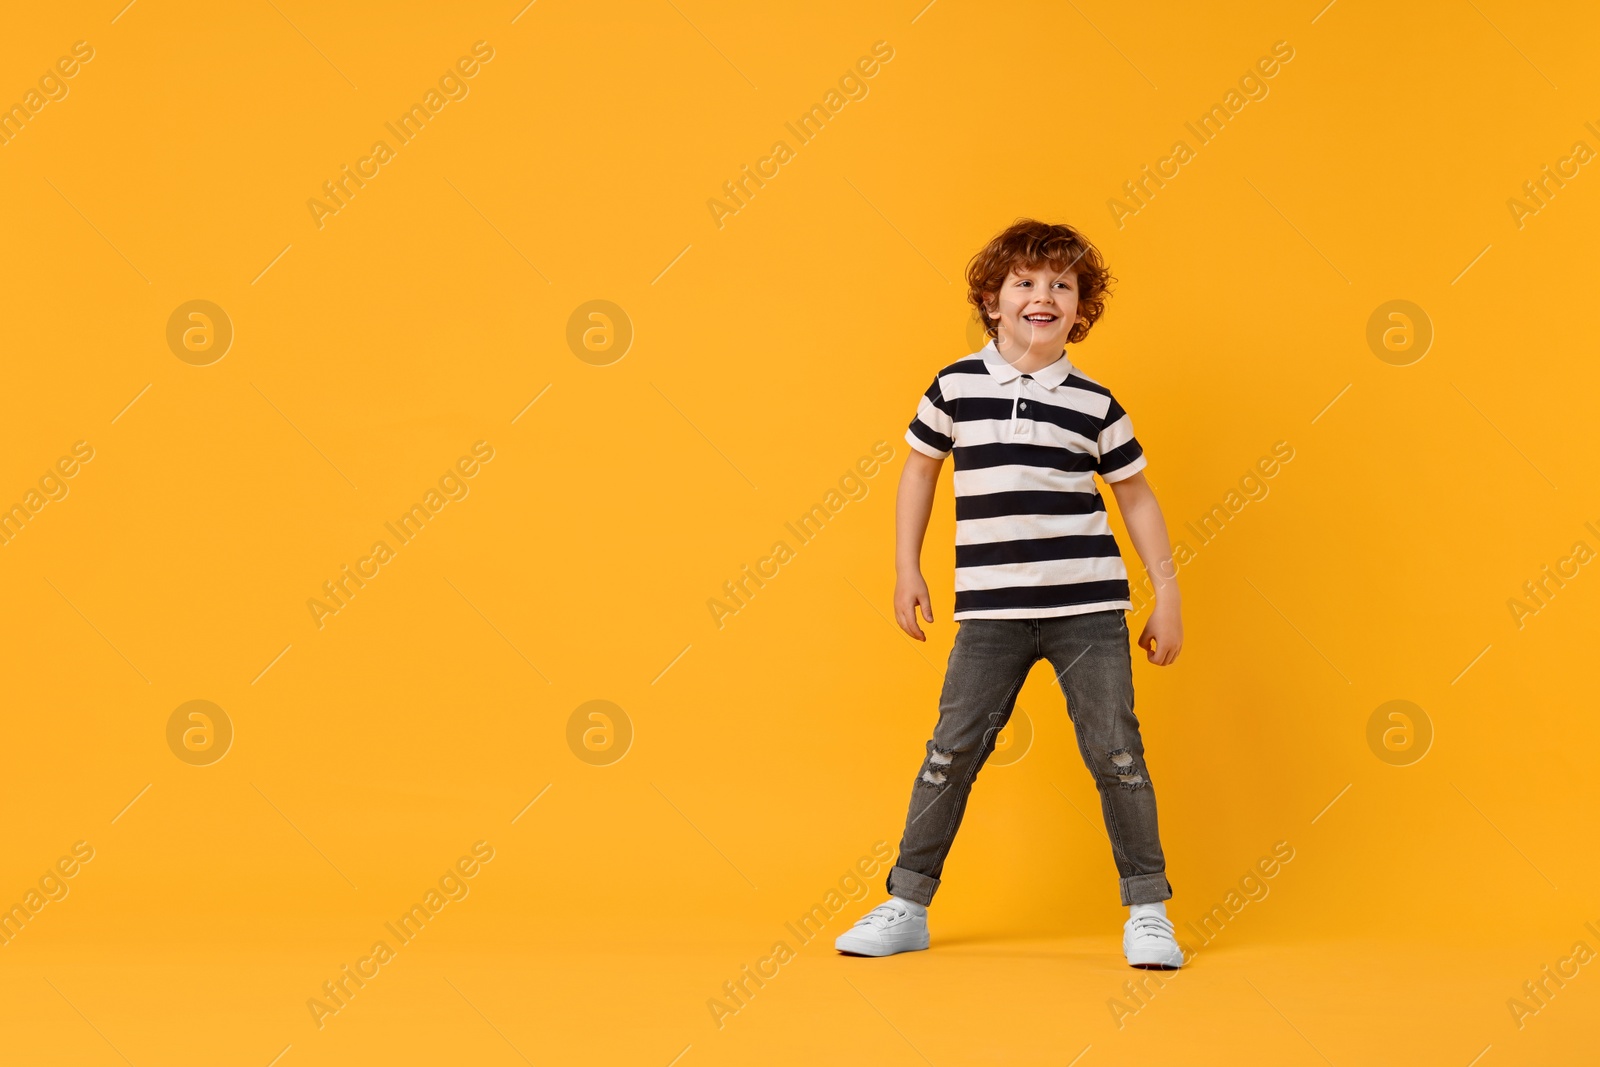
point(1122, 766)
point(938, 766)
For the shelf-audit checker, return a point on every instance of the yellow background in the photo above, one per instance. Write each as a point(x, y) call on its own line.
point(768, 356)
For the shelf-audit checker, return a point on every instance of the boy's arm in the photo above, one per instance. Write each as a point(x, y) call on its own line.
point(1162, 637)
point(912, 506)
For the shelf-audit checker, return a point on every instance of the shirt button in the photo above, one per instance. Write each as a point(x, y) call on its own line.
point(1022, 405)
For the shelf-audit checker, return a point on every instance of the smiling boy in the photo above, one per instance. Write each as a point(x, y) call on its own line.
point(1038, 575)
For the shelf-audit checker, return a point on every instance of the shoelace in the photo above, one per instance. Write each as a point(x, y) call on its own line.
point(1152, 926)
point(882, 915)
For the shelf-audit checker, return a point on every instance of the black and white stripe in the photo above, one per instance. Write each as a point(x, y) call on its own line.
point(1032, 538)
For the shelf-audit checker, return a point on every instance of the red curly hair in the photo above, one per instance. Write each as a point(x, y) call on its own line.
point(1027, 244)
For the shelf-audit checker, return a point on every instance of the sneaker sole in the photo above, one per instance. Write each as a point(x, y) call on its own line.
point(865, 948)
point(1164, 963)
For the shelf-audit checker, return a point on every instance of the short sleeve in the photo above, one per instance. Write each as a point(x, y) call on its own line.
point(932, 430)
point(1121, 455)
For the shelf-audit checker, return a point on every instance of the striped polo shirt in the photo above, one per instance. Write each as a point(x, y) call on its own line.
point(1032, 539)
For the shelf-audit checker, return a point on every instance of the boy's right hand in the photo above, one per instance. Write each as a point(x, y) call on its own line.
point(909, 594)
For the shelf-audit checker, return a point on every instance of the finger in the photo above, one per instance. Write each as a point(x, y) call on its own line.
point(927, 608)
point(908, 623)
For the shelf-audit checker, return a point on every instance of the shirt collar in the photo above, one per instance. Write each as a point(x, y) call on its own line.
point(1004, 372)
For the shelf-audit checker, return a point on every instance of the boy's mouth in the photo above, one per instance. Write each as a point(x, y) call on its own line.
point(1039, 319)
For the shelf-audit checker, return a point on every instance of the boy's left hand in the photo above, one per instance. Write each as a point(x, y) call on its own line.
point(1162, 636)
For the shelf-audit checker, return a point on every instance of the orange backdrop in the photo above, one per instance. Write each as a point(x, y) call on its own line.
point(407, 385)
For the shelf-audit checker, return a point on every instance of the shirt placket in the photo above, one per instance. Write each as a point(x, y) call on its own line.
point(1021, 420)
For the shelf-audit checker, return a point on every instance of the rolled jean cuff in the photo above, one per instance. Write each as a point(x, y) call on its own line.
point(911, 885)
point(1143, 889)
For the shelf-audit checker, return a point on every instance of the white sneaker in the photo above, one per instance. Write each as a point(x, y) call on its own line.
point(889, 928)
point(1147, 941)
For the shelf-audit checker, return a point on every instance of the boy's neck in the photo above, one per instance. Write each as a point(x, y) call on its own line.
point(1024, 361)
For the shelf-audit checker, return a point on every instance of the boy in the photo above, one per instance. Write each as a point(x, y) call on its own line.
point(1038, 574)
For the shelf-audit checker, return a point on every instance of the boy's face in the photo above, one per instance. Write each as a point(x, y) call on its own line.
point(1036, 308)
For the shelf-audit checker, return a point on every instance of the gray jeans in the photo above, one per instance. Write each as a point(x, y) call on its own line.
point(988, 664)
